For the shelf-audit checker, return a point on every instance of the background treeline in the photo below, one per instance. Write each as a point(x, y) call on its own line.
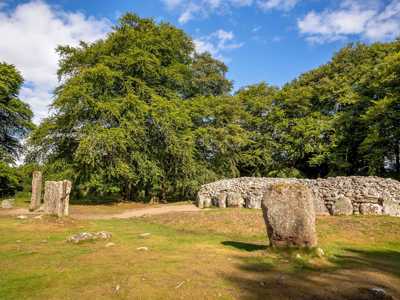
point(141, 115)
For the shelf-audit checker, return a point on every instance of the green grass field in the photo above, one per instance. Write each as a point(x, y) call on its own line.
point(216, 254)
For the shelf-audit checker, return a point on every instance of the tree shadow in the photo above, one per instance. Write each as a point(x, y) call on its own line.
point(96, 200)
point(356, 275)
point(245, 246)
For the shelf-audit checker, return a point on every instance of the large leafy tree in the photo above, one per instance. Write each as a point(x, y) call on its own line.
point(15, 115)
point(15, 123)
point(121, 124)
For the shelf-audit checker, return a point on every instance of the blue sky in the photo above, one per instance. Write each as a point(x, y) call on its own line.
point(260, 40)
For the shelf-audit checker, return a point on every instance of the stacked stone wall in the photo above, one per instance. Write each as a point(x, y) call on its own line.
point(334, 195)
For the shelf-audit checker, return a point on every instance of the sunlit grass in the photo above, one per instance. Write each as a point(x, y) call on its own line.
point(218, 254)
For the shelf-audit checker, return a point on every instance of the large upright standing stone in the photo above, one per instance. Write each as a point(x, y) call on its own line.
point(56, 197)
point(289, 215)
point(36, 197)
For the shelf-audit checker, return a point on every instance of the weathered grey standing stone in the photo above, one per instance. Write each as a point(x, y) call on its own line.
point(234, 199)
point(36, 197)
point(289, 215)
point(56, 197)
point(342, 207)
point(7, 203)
point(203, 201)
point(221, 200)
point(370, 209)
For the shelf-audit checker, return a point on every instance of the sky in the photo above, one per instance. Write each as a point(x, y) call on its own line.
point(260, 40)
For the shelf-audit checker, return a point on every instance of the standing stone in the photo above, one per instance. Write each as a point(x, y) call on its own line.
point(56, 197)
point(289, 215)
point(342, 207)
point(221, 200)
point(234, 199)
point(36, 197)
point(203, 201)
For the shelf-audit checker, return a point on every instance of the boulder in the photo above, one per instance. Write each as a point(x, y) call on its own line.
point(253, 202)
point(221, 200)
point(391, 207)
point(342, 207)
point(7, 203)
point(289, 215)
point(370, 209)
point(234, 199)
point(89, 236)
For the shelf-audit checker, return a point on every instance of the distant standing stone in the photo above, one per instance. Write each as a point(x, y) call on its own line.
point(56, 197)
point(7, 203)
point(203, 202)
point(221, 200)
point(289, 215)
point(36, 197)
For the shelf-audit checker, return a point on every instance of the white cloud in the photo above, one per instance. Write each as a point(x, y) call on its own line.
point(277, 4)
point(371, 20)
point(217, 43)
point(29, 35)
point(192, 9)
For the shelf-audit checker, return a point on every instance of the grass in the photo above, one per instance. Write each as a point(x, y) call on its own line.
point(216, 254)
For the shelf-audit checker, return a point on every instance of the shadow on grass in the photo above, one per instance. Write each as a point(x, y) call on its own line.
point(97, 200)
point(352, 276)
point(244, 246)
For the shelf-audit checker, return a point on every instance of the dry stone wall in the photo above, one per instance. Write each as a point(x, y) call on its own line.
point(334, 195)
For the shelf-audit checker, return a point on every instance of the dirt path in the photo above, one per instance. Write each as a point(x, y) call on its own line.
point(130, 213)
point(139, 212)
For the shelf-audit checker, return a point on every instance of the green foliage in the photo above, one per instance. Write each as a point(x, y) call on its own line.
point(15, 115)
point(141, 114)
point(15, 123)
point(121, 125)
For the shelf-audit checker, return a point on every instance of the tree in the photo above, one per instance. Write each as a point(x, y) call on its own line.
point(15, 123)
point(15, 115)
point(121, 123)
point(381, 147)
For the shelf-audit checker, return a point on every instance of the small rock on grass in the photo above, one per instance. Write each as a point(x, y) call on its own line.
point(144, 234)
point(7, 203)
point(142, 248)
point(110, 245)
point(319, 252)
point(22, 217)
point(89, 236)
point(379, 294)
